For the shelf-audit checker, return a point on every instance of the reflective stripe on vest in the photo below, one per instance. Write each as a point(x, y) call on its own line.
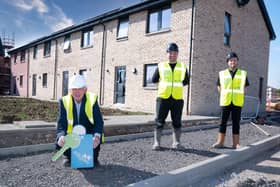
point(68, 105)
point(171, 82)
point(232, 90)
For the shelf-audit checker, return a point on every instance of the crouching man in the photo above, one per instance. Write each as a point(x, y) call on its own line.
point(79, 107)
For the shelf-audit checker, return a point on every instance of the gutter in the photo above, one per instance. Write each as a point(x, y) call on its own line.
point(272, 35)
point(55, 72)
point(190, 57)
point(102, 65)
point(28, 72)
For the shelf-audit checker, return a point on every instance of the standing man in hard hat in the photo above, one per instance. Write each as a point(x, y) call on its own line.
point(171, 76)
point(79, 107)
point(232, 84)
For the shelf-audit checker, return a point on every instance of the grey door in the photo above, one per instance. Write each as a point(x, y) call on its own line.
point(14, 85)
point(120, 79)
point(65, 79)
point(34, 78)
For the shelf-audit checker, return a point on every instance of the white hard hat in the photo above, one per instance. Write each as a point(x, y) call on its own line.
point(77, 81)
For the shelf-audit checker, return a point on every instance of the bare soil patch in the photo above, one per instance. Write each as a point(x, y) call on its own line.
point(25, 109)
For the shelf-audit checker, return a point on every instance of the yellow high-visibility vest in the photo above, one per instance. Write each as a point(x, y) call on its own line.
point(68, 105)
point(232, 90)
point(171, 82)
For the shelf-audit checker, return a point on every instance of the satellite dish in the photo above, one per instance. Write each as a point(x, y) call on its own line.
point(242, 3)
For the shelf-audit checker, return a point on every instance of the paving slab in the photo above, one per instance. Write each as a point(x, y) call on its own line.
point(34, 124)
point(113, 122)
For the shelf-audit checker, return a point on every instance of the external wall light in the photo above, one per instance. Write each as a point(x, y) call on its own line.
point(134, 71)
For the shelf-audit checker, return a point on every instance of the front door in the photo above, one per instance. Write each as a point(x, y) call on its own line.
point(120, 76)
point(65, 83)
point(34, 77)
point(14, 85)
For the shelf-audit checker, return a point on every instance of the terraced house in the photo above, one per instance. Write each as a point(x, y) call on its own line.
point(119, 50)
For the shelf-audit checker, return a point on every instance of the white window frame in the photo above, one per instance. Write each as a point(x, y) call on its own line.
point(87, 38)
point(67, 44)
point(149, 70)
point(47, 48)
point(123, 28)
point(158, 16)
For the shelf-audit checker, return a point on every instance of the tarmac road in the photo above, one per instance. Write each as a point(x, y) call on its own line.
point(125, 162)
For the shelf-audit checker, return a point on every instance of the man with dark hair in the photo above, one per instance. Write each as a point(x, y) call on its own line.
point(232, 84)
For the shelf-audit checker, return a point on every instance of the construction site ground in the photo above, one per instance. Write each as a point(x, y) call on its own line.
point(129, 159)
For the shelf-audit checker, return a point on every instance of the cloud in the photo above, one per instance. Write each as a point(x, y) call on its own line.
point(40, 6)
point(51, 14)
point(22, 5)
point(28, 5)
point(57, 19)
point(63, 23)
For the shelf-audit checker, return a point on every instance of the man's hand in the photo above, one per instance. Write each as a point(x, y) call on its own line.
point(61, 141)
point(96, 141)
point(219, 89)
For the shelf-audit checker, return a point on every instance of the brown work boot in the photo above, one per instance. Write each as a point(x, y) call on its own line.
point(236, 141)
point(220, 142)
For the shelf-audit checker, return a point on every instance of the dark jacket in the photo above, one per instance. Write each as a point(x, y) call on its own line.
point(90, 129)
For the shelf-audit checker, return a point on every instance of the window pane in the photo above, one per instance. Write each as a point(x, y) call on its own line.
point(65, 83)
point(90, 38)
point(153, 22)
point(47, 48)
point(21, 80)
point(227, 29)
point(45, 79)
point(15, 58)
point(35, 52)
point(66, 43)
point(85, 39)
point(227, 24)
point(22, 55)
point(150, 69)
point(123, 28)
point(226, 40)
point(166, 15)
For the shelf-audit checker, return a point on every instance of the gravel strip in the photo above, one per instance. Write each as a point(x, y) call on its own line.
point(124, 162)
